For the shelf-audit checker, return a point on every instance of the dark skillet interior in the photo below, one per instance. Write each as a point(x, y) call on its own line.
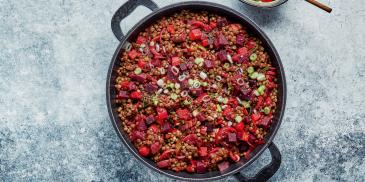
point(231, 15)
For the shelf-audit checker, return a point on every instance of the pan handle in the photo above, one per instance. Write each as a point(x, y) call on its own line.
point(124, 11)
point(268, 171)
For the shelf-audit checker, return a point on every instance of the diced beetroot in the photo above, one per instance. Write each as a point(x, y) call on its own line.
point(243, 147)
point(232, 137)
point(183, 114)
point(175, 61)
point(155, 148)
point(150, 119)
point(166, 154)
point(196, 91)
point(139, 78)
point(144, 151)
point(142, 126)
point(188, 124)
point(220, 41)
point(122, 95)
point(132, 54)
point(251, 44)
point(163, 164)
point(132, 86)
point(195, 34)
point(161, 115)
point(200, 167)
point(154, 128)
point(191, 138)
point(208, 64)
point(171, 29)
point(210, 127)
point(223, 166)
point(203, 151)
point(201, 117)
point(264, 122)
point(222, 55)
point(221, 22)
point(150, 88)
point(255, 117)
point(166, 127)
point(240, 39)
point(137, 135)
point(183, 66)
point(156, 62)
point(140, 40)
point(240, 126)
point(243, 51)
point(136, 95)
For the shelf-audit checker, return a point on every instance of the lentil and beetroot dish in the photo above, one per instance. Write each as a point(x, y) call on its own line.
point(196, 92)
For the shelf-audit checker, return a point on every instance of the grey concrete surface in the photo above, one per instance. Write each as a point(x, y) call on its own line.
point(54, 124)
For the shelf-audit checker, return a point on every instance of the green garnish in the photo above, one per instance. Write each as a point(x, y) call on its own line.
point(266, 110)
point(199, 61)
point(138, 71)
point(261, 89)
point(226, 65)
point(173, 96)
point(186, 102)
point(155, 100)
point(254, 75)
point(250, 70)
point(238, 118)
point(246, 104)
point(253, 57)
point(219, 108)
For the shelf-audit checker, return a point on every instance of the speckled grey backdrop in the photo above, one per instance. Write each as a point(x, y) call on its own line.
point(54, 124)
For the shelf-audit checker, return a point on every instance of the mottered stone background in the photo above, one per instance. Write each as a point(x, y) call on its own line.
point(54, 124)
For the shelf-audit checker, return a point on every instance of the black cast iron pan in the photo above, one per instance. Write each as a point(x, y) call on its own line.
point(267, 171)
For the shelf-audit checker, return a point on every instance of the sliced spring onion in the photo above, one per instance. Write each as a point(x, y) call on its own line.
point(199, 61)
point(238, 118)
point(226, 65)
point(138, 71)
point(190, 82)
point(225, 100)
point(218, 78)
point(195, 113)
point(173, 96)
point(177, 85)
point(229, 58)
point(203, 75)
point(253, 57)
point(152, 43)
point(175, 70)
point(219, 108)
point(254, 75)
point(204, 84)
point(229, 123)
point(261, 89)
point(160, 83)
point(266, 110)
point(246, 104)
point(196, 84)
point(159, 91)
point(170, 85)
point(206, 98)
point(250, 70)
point(220, 99)
point(143, 45)
point(261, 77)
point(157, 48)
point(155, 100)
point(128, 46)
point(184, 93)
point(240, 81)
point(182, 77)
point(186, 102)
point(256, 92)
point(162, 70)
point(166, 91)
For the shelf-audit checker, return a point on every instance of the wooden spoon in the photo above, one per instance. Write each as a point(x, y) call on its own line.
point(320, 5)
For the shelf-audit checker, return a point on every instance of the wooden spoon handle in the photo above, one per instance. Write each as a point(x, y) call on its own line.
point(320, 5)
